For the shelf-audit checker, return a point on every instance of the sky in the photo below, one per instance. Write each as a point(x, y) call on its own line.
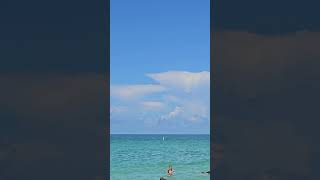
point(159, 67)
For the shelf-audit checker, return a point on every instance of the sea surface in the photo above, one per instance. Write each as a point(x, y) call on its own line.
point(146, 157)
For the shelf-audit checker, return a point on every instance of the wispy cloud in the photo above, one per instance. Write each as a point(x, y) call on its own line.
point(188, 111)
point(118, 109)
point(175, 112)
point(177, 98)
point(152, 105)
point(171, 98)
point(181, 79)
point(135, 91)
point(196, 111)
point(172, 114)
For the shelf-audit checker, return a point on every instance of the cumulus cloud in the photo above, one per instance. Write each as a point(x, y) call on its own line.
point(175, 112)
point(135, 91)
point(172, 114)
point(188, 111)
point(178, 97)
point(182, 79)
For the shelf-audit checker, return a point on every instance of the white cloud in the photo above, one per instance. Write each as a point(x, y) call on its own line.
point(182, 79)
point(196, 111)
point(172, 114)
point(152, 105)
point(169, 102)
point(118, 109)
point(135, 91)
point(188, 111)
point(175, 112)
point(171, 98)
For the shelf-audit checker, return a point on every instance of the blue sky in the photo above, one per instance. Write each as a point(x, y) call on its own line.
point(160, 60)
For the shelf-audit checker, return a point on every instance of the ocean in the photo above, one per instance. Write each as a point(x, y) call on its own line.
point(146, 157)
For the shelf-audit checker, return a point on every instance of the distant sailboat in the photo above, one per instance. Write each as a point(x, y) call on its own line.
point(162, 138)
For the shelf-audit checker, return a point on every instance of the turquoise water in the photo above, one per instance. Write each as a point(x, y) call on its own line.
point(146, 157)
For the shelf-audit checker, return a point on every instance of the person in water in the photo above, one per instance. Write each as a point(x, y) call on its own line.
point(170, 170)
point(208, 172)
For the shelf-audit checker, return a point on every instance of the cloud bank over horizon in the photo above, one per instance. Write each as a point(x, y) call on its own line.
point(177, 102)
